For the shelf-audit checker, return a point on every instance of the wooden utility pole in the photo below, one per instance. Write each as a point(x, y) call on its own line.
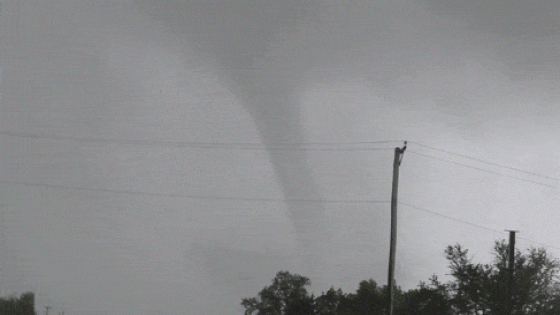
point(392, 250)
point(511, 268)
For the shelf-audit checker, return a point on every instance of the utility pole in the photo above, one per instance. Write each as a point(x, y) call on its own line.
point(47, 308)
point(511, 268)
point(392, 250)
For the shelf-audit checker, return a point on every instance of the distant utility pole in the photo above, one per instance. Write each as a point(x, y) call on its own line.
point(48, 307)
point(392, 250)
point(511, 267)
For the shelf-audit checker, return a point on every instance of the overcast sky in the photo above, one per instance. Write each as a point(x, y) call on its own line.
point(172, 156)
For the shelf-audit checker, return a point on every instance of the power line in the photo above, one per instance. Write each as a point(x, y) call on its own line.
point(249, 199)
point(484, 170)
point(473, 224)
point(450, 217)
point(287, 146)
point(538, 243)
point(486, 162)
point(323, 149)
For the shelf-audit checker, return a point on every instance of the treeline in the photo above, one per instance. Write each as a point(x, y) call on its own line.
point(24, 305)
point(475, 288)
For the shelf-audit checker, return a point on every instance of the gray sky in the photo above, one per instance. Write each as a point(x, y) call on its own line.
point(144, 159)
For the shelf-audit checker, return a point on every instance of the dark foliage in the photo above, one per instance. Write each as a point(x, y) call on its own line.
point(286, 296)
point(475, 289)
point(426, 300)
point(486, 288)
point(24, 305)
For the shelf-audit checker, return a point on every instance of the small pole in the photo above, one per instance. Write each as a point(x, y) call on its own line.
point(48, 307)
point(511, 268)
point(393, 246)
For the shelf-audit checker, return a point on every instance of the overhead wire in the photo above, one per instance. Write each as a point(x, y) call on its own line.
point(483, 170)
point(472, 224)
point(293, 146)
point(249, 199)
point(538, 243)
point(302, 146)
point(287, 146)
point(449, 217)
point(274, 200)
point(484, 161)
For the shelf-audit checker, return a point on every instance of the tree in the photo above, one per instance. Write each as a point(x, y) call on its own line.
point(428, 299)
point(329, 303)
point(286, 296)
point(24, 305)
point(475, 289)
point(484, 288)
point(369, 299)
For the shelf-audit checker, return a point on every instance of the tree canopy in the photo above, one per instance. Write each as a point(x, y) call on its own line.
point(485, 288)
point(475, 288)
point(24, 305)
point(286, 296)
